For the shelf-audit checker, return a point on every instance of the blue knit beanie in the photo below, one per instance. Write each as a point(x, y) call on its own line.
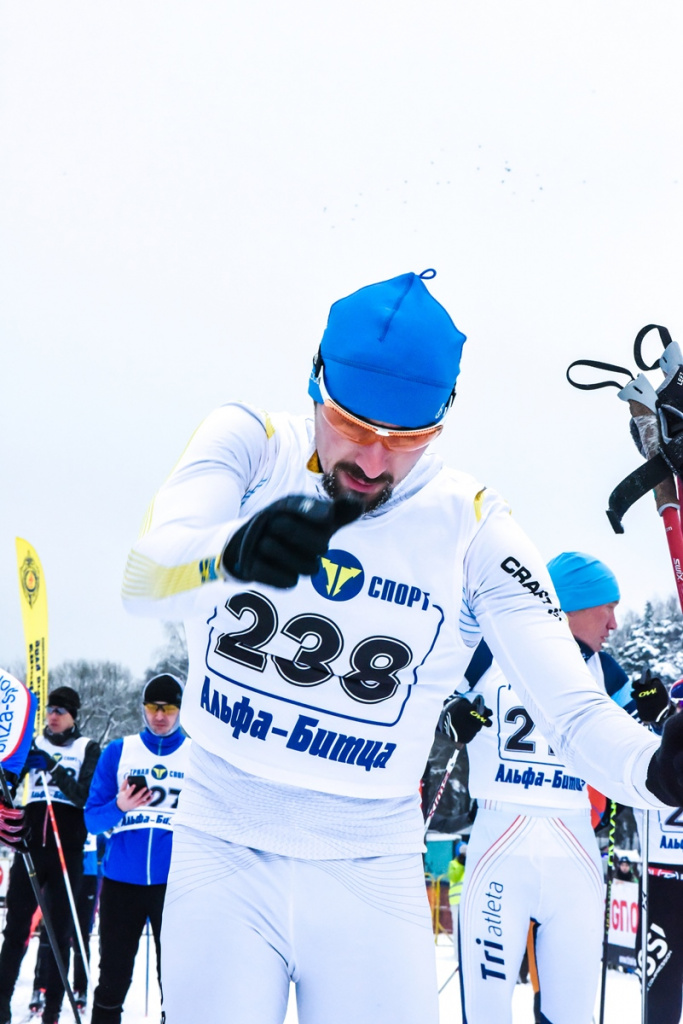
point(391, 353)
point(582, 581)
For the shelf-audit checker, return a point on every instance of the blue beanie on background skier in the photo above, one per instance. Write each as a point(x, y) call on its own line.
point(589, 593)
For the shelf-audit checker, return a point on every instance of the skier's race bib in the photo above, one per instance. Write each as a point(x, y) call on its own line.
point(337, 683)
point(164, 776)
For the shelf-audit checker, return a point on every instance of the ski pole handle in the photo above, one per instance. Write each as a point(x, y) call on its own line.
point(648, 429)
point(666, 494)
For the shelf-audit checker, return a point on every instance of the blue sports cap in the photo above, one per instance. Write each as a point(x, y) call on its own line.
point(582, 581)
point(390, 353)
point(676, 691)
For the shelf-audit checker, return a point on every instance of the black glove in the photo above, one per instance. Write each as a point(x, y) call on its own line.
point(461, 719)
point(652, 699)
point(39, 760)
point(12, 828)
point(285, 540)
point(665, 772)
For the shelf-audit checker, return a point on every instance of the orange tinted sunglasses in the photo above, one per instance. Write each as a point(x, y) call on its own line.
point(363, 433)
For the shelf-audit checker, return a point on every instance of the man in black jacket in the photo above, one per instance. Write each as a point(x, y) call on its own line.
point(68, 761)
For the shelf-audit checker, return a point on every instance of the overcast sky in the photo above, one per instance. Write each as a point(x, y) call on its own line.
point(185, 188)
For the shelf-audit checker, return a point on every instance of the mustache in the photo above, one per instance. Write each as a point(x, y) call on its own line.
point(352, 470)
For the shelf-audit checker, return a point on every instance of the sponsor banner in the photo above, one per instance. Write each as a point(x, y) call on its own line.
point(624, 914)
point(33, 597)
point(17, 713)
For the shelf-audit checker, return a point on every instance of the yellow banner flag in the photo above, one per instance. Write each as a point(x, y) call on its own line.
point(33, 596)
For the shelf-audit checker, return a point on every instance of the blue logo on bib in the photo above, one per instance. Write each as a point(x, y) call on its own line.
point(159, 772)
point(340, 576)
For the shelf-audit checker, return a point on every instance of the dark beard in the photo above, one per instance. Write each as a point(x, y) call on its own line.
point(335, 490)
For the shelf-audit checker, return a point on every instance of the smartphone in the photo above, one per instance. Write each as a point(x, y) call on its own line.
point(138, 782)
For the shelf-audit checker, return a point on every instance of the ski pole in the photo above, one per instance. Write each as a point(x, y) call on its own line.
point(442, 786)
point(667, 492)
point(147, 969)
point(667, 497)
point(67, 881)
point(478, 704)
point(644, 913)
point(449, 978)
point(674, 538)
point(47, 920)
point(608, 908)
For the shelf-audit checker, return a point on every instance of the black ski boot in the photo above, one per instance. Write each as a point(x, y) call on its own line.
point(50, 1015)
point(37, 1001)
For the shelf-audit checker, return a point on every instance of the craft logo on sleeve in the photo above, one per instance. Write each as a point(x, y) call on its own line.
point(340, 576)
point(30, 580)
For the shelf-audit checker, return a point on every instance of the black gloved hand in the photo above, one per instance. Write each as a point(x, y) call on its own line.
point(652, 699)
point(39, 760)
point(286, 539)
point(12, 828)
point(461, 719)
point(665, 772)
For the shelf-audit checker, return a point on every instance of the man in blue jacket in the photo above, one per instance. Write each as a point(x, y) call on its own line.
point(134, 793)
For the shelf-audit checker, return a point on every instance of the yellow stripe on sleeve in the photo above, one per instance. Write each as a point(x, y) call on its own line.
point(478, 502)
point(146, 579)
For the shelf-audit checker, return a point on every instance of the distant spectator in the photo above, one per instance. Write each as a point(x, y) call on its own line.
point(69, 760)
point(135, 793)
point(625, 871)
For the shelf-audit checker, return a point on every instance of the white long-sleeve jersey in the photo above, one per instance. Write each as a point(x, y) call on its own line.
point(512, 761)
point(335, 685)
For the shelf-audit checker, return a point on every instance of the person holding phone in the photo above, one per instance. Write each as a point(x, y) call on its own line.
point(134, 794)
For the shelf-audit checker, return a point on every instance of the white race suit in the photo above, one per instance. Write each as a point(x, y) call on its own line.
point(532, 857)
point(312, 712)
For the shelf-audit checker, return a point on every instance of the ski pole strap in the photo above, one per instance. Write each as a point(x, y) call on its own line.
point(595, 364)
point(666, 339)
point(634, 486)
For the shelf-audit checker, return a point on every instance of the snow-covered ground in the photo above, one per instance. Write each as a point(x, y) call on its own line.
point(622, 1001)
point(622, 1005)
point(134, 1012)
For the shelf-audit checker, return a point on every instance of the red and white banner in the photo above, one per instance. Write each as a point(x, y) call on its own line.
point(17, 713)
point(624, 914)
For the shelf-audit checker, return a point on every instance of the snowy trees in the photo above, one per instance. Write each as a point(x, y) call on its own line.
point(110, 698)
point(652, 640)
point(172, 656)
point(110, 695)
